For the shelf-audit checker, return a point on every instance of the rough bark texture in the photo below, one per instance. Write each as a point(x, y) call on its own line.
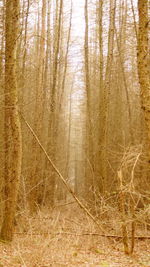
point(13, 147)
point(143, 60)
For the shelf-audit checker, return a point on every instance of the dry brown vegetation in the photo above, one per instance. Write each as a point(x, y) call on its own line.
point(66, 237)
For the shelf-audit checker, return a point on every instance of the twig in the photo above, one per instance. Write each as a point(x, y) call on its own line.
point(64, 204)
point(132, 173)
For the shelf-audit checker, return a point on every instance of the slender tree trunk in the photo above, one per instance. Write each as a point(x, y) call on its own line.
point(66, 60)
point(56, 53)
point(121, 61)
point(134, 19)
point(101, 42)
point(25, 41)
point(90, 183)
point(106, 94)
point(100, 89)
point(13, 144)
point(48, 43)
point(46, 90)
point(35, 195)
point(52, 123)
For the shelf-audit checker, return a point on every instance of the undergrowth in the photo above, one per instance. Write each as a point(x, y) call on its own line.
point(67, 237)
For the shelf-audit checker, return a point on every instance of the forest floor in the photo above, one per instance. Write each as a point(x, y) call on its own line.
point(67, 237)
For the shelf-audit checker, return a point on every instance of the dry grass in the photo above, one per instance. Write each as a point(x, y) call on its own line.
point(61, 238)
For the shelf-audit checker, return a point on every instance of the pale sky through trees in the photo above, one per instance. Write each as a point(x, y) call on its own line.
point(78, 21)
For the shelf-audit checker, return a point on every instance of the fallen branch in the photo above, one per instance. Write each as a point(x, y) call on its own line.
point(81, 205)
point(83, 234)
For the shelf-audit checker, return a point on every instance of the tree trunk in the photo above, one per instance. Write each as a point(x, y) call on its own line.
point(90, 175)
point(52, 127)
point(35, 196)
point(13, 144)
point(143, 60)
point(106, 95)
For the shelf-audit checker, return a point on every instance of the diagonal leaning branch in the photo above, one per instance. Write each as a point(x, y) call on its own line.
point(81, 205)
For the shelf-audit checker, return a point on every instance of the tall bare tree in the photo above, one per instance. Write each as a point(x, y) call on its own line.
point(89, 138)
point(143, 60)
point(106, 93)
point(52, 122)
point(39, 111)
point(13, 143)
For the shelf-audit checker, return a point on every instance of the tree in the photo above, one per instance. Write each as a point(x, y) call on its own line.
point(106, 94)
point(13, 143)
point(143, 60)
point(39, 112)
point(53, 115)
point(89, 186)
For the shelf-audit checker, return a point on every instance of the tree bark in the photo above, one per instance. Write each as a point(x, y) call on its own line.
point(143, 60)
point(13, 143)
